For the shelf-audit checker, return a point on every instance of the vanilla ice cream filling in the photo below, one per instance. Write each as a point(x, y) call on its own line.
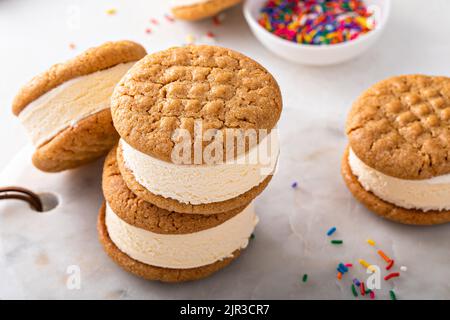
point(202, 184)
point(70, 102)
point(425, 195)
point(182, 251)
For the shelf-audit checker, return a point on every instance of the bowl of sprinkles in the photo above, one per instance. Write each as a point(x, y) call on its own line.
point(317, 32)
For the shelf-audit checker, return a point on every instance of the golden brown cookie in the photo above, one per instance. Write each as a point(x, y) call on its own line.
point(385, 209)
point(173, 205)
point(203, 9)
point(401, 127)
point(94, 59)
point(151, 272)
point(144, 215)
point(91, 136)
point(90, 139)
point(210, 86)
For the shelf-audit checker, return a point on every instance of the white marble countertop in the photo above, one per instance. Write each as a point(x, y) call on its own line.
point(35, 250)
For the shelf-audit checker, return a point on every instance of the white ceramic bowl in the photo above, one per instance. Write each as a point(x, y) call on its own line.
point(323, 54)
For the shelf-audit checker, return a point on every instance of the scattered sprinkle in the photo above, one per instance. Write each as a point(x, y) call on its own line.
point(169, 18)
point(342, 267)
point(349, 265)
point(390, 265)
point(339, 275)
point(190, 39)
point(365, 264)
point(371, 242)
point(154, 21)
point(403, 268)
point(210, 34)
point(337, 241)
point(372, 294)
point(148, 30)
point(391, 275)
point(294, 185)
point(218, 19)
point(384, 256)
point(252, 236)
point(331, 231)
point(355, 293)
point(392, 295)
point(356, 282)
point(111, 11)
point(316, 22)
point(305, 277)
point(72, 46)
point(362, 289)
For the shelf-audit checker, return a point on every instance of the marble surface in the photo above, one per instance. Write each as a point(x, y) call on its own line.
point(36, 249)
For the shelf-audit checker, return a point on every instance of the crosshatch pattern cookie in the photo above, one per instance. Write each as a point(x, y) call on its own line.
point(200, 9)
point(175, 88)
point(401, 126)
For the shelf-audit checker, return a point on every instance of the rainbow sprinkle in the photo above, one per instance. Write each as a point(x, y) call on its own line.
point(390, 265)
point(362, 289)
point(392, 295)
point(355, 293)
point(305, 277)
point(366, 265)
point(316, 22)
point(384, 256)
point(392, 275)
point(331, 231)
point(111, 12)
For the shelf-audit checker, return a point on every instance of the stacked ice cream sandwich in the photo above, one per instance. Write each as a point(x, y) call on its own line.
point(197, 145)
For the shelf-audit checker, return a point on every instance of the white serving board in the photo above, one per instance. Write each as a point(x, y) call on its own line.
point(36, 249)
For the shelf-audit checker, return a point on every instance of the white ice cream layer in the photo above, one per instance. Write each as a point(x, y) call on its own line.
point(182, 251)
point(70, 102)
point(201, 184)
point(425, 195)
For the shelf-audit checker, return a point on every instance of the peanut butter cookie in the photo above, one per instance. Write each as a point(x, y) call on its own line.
point(199, 9)
point(191, 87)
point(66, 108)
